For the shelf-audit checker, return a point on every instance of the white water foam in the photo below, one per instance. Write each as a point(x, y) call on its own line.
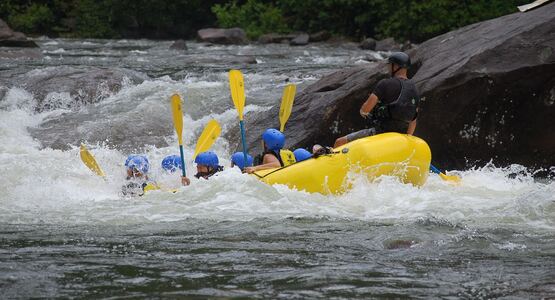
point(53, 186)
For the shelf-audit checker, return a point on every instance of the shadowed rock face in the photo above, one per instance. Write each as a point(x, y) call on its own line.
point(488, 93)
point(10, 38)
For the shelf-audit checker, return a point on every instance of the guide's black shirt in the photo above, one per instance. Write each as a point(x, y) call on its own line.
point(390, 116)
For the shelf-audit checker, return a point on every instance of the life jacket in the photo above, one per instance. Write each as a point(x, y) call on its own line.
point(138, 188)
point(404, 107)
point(285, 156)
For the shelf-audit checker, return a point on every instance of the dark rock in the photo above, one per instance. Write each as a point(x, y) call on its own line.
point(179, 45)
point(20, 53)
point(388, 44)
point(9, 38)
point(300, 40)
point(247, 60)
point(5, 30)
point(320, 36)
point(488, 93)
point(275, 38)
point(368, 44)
point(399, 244)
point(223, 36)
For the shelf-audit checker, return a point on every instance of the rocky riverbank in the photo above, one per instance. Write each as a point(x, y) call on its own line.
point(488, 95)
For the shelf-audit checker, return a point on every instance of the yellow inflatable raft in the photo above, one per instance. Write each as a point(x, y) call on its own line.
point(404, 156)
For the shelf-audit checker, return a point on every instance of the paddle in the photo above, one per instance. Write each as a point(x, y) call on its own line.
point(90, 162)
point(177, 114)
point(237, 88)
point(450, 178)
point(209, 135)
point(286, 105)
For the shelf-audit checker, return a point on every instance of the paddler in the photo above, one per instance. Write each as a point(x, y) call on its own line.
point(137, 176)
point(207, 164)
point(396, 99)
point(172, 163)
point(238, 159)
point(274, 156)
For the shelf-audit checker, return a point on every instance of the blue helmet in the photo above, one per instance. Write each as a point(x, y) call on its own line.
point(139, 162)
point(301, 154)
point(238, 159)
point(171, 163)
point(274, 139)
point(207, 158)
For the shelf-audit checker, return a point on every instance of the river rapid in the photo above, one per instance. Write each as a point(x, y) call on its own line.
point(65, 232)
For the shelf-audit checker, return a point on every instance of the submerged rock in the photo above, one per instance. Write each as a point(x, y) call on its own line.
point(223, 36)
point(10, 38)
point(179, 45)
point(70, 87)
point(488, 92)
point(300, 40)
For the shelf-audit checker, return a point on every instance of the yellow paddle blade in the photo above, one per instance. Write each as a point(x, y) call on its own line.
point(209, 135)
point(151, 187)
point(451, 178)
point(237, 88)
point(177, 113)
point(286, 105)
point(90, 162)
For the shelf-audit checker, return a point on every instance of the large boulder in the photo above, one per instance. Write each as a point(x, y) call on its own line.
point(223, 36)
point(368, 44)
point(10, 38)
point(488, 93)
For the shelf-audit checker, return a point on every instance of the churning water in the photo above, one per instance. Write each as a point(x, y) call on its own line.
point(66, 233)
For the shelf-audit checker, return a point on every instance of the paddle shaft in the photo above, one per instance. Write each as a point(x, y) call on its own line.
point(434, 169)
point(182, 160)
point(243, 140)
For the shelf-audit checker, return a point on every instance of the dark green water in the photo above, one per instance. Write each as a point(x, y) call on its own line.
point(287, 259)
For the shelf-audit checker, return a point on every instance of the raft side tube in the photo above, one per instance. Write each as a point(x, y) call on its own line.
point(404, 156)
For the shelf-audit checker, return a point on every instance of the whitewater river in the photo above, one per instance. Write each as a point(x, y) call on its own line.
point(65, 232)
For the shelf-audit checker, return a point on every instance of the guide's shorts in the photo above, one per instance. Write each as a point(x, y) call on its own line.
point(361, 134)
